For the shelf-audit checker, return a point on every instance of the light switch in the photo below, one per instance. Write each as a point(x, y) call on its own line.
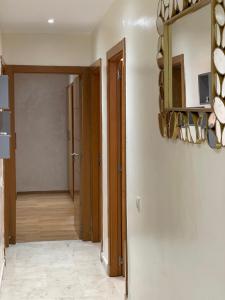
point(138, 204)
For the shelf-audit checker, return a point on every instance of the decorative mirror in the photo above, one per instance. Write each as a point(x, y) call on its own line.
point(191, 60)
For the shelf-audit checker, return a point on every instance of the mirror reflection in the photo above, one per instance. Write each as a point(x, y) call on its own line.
point(191, 60)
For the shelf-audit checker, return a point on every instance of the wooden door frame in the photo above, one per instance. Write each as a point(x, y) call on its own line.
point(10, 165)
point(96, 149)
point(117, 52)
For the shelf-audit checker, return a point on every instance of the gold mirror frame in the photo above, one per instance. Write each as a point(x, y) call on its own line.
point(193, 125)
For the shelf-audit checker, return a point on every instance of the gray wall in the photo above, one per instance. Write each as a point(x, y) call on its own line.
point(41, 128)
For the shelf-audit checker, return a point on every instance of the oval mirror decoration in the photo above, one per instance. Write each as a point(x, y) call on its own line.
point(219, 60)
point(175, 5)
point(212, 139)
point(166, 17)
point(161, 104)
point(189, 135)
point(160, 44)
point(161, 79)
point(162, 92)
point(223, 38)
point(219, 110)
point(184, 134)
point(219, 14)
point(182, 4)
point(159, 8)
point(173, 126)
point(218, 84)
point(202, 126)
point(223, 88)
point(166, 2)
point(193, 133)
point(171, 8)
point(160, 26)
point(212, 120)
point(163, 10)
point(218, 132)
point(218, 35)
point(223, 137)
point(162, 124)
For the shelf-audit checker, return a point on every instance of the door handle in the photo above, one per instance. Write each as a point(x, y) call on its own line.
point(76, 155)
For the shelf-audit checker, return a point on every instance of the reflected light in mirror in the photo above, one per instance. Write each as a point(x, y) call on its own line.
point(143, 22)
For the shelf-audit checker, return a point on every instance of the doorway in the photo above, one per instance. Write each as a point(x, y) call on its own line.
point(44, 210)
point(116, 59)
point(10, 165)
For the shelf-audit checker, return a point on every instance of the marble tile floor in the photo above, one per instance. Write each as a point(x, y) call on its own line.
point(65, 270)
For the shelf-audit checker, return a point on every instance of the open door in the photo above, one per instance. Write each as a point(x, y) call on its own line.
point(70, 141)
point(122, 168)
point(76, 134)
point(116, 58)
point(77, 151)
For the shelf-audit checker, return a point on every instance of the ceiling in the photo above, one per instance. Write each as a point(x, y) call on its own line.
point(71, 16)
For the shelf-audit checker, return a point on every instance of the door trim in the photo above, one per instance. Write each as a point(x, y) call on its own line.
point(10, 165)
point(96, 149)
point(113, 56)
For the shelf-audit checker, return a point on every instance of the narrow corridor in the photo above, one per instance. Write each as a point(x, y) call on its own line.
point(46, 217)
point(65, 270)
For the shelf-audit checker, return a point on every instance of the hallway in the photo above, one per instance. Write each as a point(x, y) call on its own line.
point(46, 217)
point(67, 270)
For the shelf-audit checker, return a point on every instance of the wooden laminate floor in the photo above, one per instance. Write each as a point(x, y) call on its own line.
point(46, 217)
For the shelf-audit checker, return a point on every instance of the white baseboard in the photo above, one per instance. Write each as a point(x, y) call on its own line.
point(104, 261)
point(1, 272)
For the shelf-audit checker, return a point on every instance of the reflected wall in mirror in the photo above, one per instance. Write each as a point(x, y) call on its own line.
point(191, 60)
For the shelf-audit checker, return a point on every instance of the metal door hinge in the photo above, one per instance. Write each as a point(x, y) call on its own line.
point(119, 75)
point(15, 141)
point(121, 260)
point(100, 161)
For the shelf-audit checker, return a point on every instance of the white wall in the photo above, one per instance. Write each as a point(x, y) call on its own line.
point(191, 36)
point(176, 243)
point(1, 205)
point(47, 49)
point(41, 129)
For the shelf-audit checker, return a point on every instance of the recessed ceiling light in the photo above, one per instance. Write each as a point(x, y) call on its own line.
point(51, 21)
